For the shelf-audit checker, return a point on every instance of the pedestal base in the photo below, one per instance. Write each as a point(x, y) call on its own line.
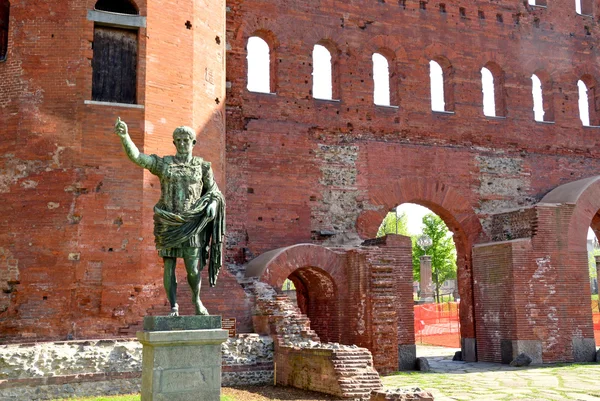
point(182, 365)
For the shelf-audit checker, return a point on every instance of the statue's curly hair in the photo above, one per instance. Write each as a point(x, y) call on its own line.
point(183, 130)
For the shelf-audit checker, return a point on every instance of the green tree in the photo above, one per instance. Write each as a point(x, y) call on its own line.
point(391, 225)
point(442, 252)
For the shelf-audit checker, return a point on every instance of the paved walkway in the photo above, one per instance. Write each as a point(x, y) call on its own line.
point(482, 381)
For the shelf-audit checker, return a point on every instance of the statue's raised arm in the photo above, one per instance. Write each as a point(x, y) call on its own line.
point(131, 150)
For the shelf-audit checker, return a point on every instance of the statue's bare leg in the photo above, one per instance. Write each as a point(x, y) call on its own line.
point(170, 283)
point(194, 280)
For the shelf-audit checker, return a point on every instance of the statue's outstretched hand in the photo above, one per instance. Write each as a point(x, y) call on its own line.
point(121, 128)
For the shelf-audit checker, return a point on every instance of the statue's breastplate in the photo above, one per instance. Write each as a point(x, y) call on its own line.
point(181, 185)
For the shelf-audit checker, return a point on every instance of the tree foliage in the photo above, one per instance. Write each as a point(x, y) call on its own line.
point(391, 225)
point(442, 251)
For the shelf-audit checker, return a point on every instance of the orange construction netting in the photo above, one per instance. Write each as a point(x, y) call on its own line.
point(437, 324)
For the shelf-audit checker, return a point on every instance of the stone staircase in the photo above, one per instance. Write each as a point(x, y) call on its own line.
point(349, 369)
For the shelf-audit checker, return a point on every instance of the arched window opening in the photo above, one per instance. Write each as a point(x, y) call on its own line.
point(543, 100)
point(381, 78)
point(114, 61)
point(117, 6)
point(492, 82)
point(323, 87)
point(539, 3)
point(584, 106)
point(584, 7)
point(259, 65)
point(4, 14)
point(442, 90)
point(538, 99)
point(436, 76)
point(489, 103)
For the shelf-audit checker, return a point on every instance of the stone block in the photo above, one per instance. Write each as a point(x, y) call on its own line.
point(469, 349)
point(584, 350)
point(423, 365)
point(521, 360)
point(511, 349)
point(168, 323)
point(407, 356)
point(182, 365)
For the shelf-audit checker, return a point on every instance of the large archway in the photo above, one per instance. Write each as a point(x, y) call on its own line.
point(460, 218)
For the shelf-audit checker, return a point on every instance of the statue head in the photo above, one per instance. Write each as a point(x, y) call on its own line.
point(184, 139)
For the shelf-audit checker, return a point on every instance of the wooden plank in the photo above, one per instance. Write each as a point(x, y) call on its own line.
point(114, 65)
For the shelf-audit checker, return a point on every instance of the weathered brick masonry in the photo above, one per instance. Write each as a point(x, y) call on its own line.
point(76, 249)
point(299, 167)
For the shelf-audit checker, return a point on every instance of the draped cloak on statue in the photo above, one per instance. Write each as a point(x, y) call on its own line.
point(181, 227)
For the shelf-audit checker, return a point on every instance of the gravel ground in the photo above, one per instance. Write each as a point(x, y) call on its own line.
point(267, 393)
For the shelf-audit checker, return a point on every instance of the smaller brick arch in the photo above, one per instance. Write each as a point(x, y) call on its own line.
point(584, 196)
point(275, 266)
point(316, 272)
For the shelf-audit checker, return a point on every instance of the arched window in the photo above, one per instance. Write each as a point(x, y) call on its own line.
point(538, 100)
point(541, 90)
point(381, 79)
point(259, 65)
point(436, 77)
point(4, 14)
point(324, 74)
point(114, 63)
point(442, 91)
point(584, 7)
point(492, 82)
point(117, 6)
point(539, 3)
point(587, 101)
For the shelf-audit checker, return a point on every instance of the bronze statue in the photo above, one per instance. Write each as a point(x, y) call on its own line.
point(189, 218)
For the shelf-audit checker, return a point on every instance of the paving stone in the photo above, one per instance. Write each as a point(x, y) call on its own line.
point(456, 380)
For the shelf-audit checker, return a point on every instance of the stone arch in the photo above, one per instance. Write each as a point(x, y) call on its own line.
point(458, 215)
point(316, 272)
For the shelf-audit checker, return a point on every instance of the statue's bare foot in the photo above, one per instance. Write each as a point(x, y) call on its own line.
point(201, 310)
point(174, 311)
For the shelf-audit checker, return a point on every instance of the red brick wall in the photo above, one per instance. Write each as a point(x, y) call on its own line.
point(536, 288)
point(76, 213)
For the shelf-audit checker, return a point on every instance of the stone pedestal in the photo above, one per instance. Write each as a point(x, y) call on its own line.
point(426, 281)
point(181, 358)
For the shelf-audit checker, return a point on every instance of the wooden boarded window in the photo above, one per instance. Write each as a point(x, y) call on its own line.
point(114, 65)
point(4, 11)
